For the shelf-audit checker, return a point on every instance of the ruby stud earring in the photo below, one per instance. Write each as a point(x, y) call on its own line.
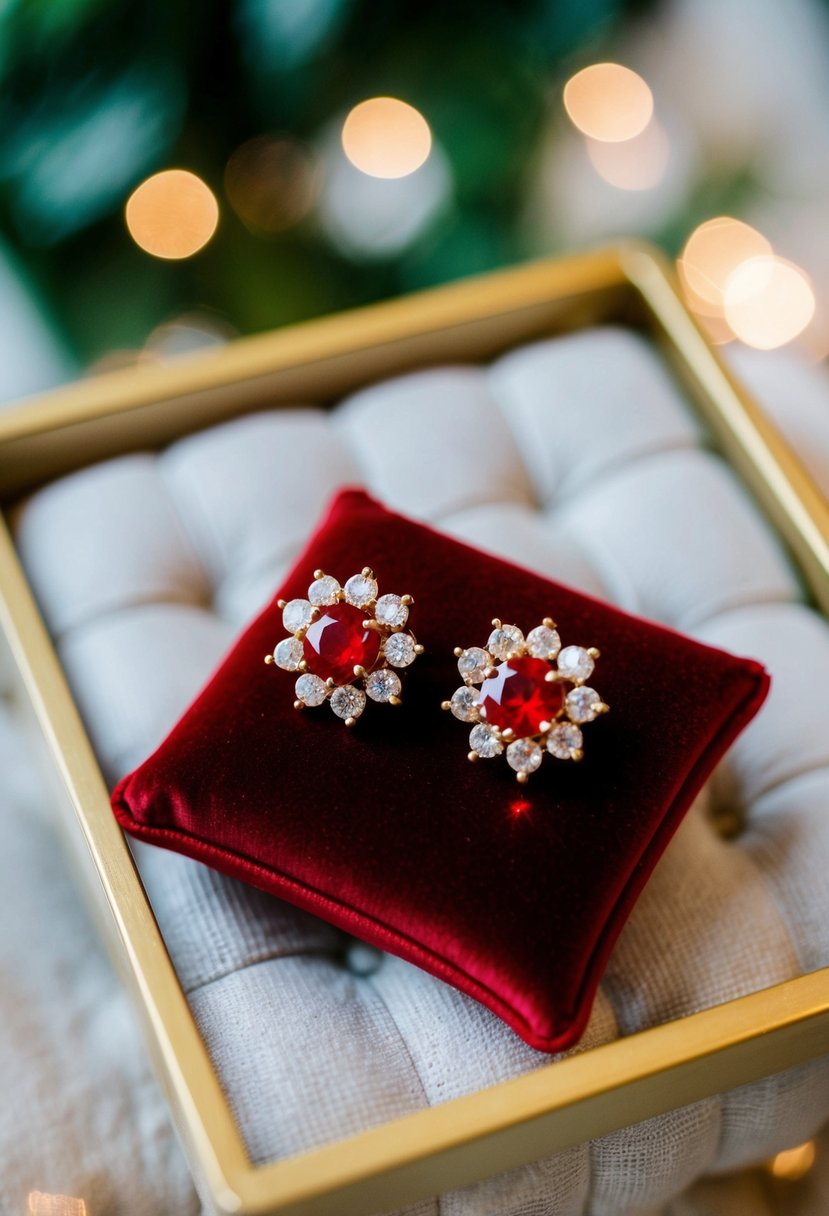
point(525, 696)
point(346, 644)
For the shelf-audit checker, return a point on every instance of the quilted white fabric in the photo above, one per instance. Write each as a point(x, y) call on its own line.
point(80, 1114)
point(576, 456)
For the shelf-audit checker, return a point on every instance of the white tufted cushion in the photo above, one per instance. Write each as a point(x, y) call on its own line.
point(81, 1115)
point(578, 457)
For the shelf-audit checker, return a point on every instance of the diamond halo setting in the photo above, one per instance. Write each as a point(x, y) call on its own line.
point(344, 643)
point(526, 696)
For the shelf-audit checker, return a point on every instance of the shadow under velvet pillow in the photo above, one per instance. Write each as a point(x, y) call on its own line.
point(513, 894)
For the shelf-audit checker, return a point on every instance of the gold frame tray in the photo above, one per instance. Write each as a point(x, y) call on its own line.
point(560, 1104)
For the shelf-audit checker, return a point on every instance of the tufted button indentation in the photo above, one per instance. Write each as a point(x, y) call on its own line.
point(586, 403)
point(433, 442)
point(249, 491)
point(93, 544)
point(675, 533)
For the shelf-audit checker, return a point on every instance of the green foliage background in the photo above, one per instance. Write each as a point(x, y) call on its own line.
point(95, 95)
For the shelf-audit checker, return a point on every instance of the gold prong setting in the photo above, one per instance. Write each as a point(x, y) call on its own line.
point(383, 616)
point(559, 733)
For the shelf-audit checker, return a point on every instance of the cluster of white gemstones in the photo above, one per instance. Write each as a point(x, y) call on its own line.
point(385, 616)
point(571, 703)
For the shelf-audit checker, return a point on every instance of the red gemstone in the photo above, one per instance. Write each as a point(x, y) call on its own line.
point(336, 642)
point(519, 698)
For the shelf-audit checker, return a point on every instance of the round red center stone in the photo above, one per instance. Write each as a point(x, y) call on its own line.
point(519, 698)
point(336, 642)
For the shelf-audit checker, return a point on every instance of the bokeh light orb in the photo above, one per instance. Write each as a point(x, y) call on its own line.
point(386, 137)
point(271, 183)
point(712, 253)
point(608, 102)
point(172, 214)
point(768, 302)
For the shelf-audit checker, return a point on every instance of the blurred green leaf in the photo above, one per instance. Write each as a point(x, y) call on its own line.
point(45, 21)
point(74, 158)
point(282, 35)
point(96, 95)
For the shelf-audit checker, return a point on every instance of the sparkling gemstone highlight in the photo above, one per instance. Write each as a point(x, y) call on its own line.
point(297, 614)
point(464, 704)
point(323, 590)
point(360, 590)
point(348, 701)
point(524, 756)
point(288, 654)
point(505, 642)
point(399, 649)
point(563, 740)
point(337, 642)
point(384, 684)
point(484, 742)
point(575, 663)
point(543, 642)
point(519, 698)
point(310, 690)
point(390, 610)
point(581, 704)
point(473, 663)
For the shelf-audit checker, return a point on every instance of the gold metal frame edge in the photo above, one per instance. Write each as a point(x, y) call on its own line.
point(569, 1100)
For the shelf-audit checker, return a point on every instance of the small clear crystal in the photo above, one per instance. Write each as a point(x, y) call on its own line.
point(390, 610)
point(581, 704)
point(348, 701)
point(360, 590)
point(464, 703)
point(563, 740)
point(524, 756)
point(506, 642)
point(383, 684)
point(310, 690)
point(543, 642)
point(288, 654)
point(473, 663)
point(324, 591)
point(575, 663)
point(399, 649)
point(297, 614)
point(485, 742)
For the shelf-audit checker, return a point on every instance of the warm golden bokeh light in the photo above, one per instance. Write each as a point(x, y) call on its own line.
point(768, 301)
point(634, 164)
point(608, 102)
point(385, 137)
point(42, 1204)
point(271, 183)
point(712, 253)
point(172, 214)
point(793, 1163)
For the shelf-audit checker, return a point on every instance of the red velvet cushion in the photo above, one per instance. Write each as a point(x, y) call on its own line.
point(513, 894)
